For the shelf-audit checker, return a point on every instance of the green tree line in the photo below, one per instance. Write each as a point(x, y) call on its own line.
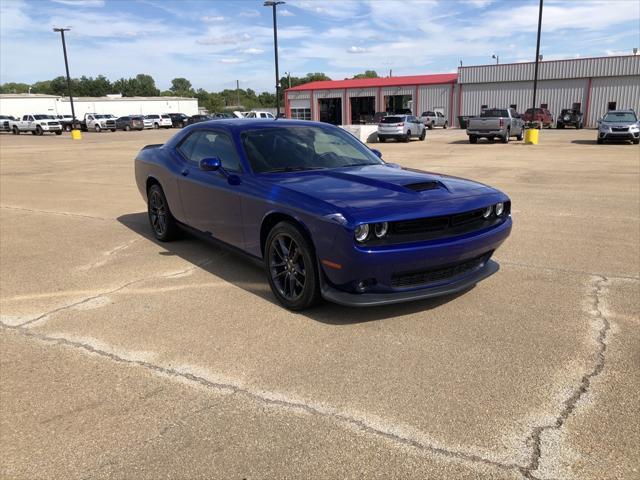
point(143, 85)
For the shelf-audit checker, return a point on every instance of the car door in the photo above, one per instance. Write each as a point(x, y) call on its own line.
point(440, 119)
point(209, 201)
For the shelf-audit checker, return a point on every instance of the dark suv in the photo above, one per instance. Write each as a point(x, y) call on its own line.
point(130, 122)
point(570, 116)
point(179, 120)
point(198, 118)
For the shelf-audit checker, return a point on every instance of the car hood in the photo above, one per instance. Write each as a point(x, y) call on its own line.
point(386, 190)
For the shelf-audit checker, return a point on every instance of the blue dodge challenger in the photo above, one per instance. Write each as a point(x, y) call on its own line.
point(323, 212)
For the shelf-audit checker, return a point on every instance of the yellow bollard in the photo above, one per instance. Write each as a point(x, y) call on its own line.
point(76, 135)
point(531, 136)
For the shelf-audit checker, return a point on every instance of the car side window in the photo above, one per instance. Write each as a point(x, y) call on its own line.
point(25, 118)
point(207, 144)
point(440, 114)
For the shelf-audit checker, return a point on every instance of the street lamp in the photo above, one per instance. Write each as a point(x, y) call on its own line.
point(274, 4)
point(497, 57)
point(538, 56)
point(66, 66)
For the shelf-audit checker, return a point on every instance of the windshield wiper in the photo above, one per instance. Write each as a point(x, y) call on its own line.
point(293, 169)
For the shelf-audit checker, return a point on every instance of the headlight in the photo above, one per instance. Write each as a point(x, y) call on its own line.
point(380, 229)
point(499, 209)
point(487, 212)
point(361, 232)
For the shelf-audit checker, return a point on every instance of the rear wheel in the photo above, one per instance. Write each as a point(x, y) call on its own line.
point(381, 139)
point(407, 138)
point(431, 126)
point(127, 128)
point(505, 138)
point(473, 139)
point(292, 267)
point(156, 126)
point(67, 128)
point(423, 134)
point(112, 129)
point(446, 124)
point(600, 141)
point(520, 135)
point(162, 223)
point(58, 132)
point(636, 141)
point(580, 126)
point(16, 131)
point(560, 125)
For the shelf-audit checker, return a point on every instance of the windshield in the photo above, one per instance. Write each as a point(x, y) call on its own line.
point(620, 117)
point(304, 148)
point(43, 117)
point(494, 113)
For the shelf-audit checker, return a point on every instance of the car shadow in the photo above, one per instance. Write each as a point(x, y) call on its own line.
point(248, 273)
point(584, 142)
point(481, 141)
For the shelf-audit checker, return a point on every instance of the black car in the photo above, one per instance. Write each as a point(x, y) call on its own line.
point(4, 123)
point(222, 115)
point(130, 122)
point(570, 117)
point(179, 120)
point(199, 118)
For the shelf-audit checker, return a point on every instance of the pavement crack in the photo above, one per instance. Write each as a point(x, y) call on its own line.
point(360, 423)
point(53, 212)
point(110, 292)
point(566, 270)
point(570, 404)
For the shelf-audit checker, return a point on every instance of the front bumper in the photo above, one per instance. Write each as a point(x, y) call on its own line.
point(628, 135)
point(376, 299)
point(51, 128)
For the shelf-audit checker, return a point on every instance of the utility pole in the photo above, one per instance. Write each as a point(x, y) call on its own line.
point(66, 66)
point(238, 92)
point(535, 71)
point(273, 5)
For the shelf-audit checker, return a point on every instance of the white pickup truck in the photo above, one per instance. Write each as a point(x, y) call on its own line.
point(36, 124)
point(97, 122)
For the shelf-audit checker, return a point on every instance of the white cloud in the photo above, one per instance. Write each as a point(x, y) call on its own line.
point(231, 60)
point(253, 51)
point(81, 3)
point(249, 13)
point(286, 13)
point(479, 3)
point(354, 49)
point(211, 19)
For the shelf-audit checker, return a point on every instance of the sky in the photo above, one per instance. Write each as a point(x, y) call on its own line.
point(213, 43)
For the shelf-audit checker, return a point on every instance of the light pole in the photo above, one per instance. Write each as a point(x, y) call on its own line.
point(538, 57)
point(66, 66)
point(497, 57)
point(273, 5)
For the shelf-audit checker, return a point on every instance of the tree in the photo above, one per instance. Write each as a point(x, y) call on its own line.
point(181, 87)
point(14, 87)
point(367, 74)
point(145, 86)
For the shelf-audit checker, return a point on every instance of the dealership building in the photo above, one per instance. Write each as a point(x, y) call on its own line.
point(592, 85)
point(24, 104)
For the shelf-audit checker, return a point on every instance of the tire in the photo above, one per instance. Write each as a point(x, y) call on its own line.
point(292, 267)
point(600, 141)
point(446, 124)
point(580, 126)
point(58, 132)
point(112, 129)
point(97, 128)
point(381, 139)
point(636, 141)
point(163, 225)
point(431, 126)
point(473, 139)
point(39, 130)
point(67, 128)
point(127, 128)
point(407, 138)
point(505, 139)
point(16, 130)
point(33, 132)
point(560, 126)
point(423, 135)
point(520, 135)
point(156, 126)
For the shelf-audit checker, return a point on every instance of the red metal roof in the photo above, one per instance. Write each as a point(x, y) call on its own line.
point(379, 82)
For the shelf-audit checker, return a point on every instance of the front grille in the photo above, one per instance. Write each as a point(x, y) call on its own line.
point(420, 277)
point(53, 124)
point(619, 129)
point(111, 123)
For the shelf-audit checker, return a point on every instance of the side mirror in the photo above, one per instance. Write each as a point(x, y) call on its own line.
point(212, 164)
point(377, 152)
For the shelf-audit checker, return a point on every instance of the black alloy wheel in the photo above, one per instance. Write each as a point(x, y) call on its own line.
point(162, 223)
point(291, 264)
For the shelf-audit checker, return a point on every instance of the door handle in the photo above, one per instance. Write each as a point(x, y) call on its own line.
point(184, 172)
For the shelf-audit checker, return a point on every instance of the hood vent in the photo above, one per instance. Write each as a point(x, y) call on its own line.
point(422, 186)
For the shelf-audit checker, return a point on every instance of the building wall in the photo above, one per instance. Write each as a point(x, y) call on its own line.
point(558, 94)
point(18, 106)
point(625, 91)
point(431, 97)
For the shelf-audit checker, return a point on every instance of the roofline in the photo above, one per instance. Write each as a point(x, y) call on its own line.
point(300, 88)
point(493, 65)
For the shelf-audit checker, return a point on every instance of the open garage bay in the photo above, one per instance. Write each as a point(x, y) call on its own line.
point(125, 358)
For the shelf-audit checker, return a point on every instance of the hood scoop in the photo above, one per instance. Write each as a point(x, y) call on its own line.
point(423, 186)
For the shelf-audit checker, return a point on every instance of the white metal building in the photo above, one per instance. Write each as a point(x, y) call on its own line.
point(593, 85)
point(22, 104)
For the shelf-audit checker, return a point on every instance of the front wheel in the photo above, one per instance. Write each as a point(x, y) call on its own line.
point(67, 128)
point(156, 126)
point(423, 134)
point(636, 141)
point(39, 130)
point(473, 139)
point(446, 124)
point(520, 135)
point(431, 126)
point(113, 129)
point(600, 141)
point(407, 138)
point(292, 267)
point(162, 223)
point(97, 128)
point(381, 139)
point(16, 130)
point(127, 128)
point(58, 132)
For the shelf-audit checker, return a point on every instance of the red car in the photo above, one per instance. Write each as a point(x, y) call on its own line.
point(541, 117)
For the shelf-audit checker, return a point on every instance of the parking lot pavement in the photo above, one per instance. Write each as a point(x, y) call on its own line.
point(126, 358)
